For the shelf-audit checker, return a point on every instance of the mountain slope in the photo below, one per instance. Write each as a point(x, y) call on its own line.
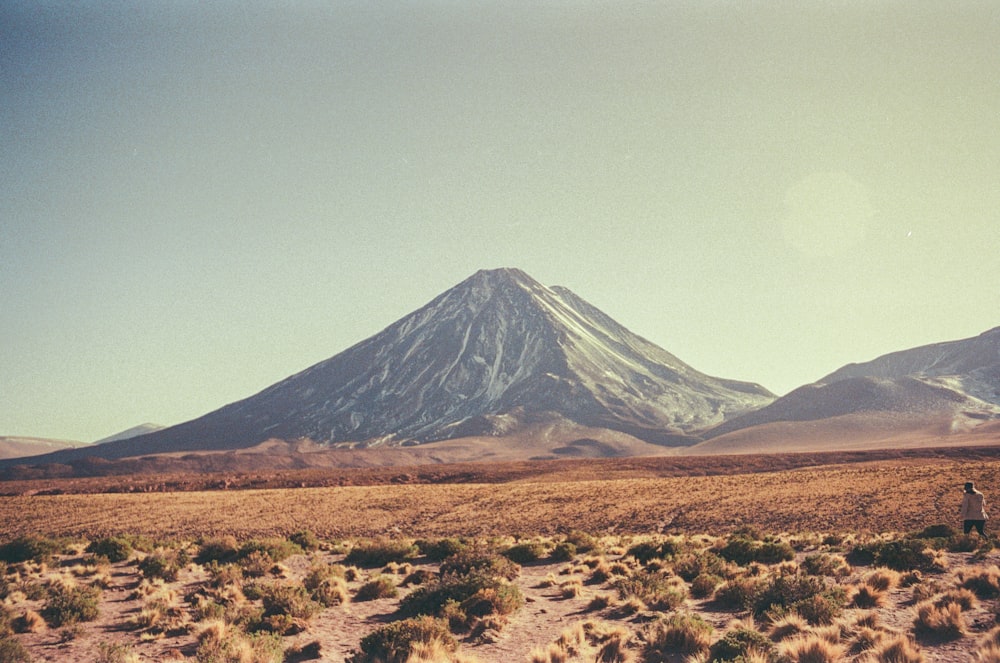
point(940, 389)
point(483, 358)
point(970, 365)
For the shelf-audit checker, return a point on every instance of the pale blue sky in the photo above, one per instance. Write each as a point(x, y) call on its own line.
point(200, 199)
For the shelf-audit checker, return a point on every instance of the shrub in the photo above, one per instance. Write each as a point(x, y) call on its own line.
point(704, 585)
point(525, 553)
point(381, 587)
point(647, 551)
point(738, 593)
point(902, 555)
point(657, 589)
point(962, 543)
point(679, 633)
point(395, 642)
point(825, 564)
point(12, 651)
point(742, 550)
point(563, 551)
point(479, 561)
point(441, 549)
point(936, 532)
point(276, 550)
point(739, 642)
point(115, 549)
point(291, 600)
point(218, 644)
point(25, 548)
point(691, 565)
point(220, 550)
point(66, 606)
point(582, 541)
point(807, 595)
point(305, 540)
point(432, 599)
point(379, 553)
point(163, 563)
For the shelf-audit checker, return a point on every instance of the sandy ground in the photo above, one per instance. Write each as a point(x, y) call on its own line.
point(546, 613)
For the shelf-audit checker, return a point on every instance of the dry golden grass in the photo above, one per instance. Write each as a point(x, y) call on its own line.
point(847, 498)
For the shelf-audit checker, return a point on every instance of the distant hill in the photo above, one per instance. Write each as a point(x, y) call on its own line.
point(924, 395)
point(135, 431)
point(970, 366)
point(21, 447)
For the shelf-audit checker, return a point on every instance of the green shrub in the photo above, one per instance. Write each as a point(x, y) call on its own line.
point(704, 585)
point(738, 593)
point(742, 551)
point(115, 549)
point(739, 643)
point(393, 643)
point(381, 587)
point(221, 550)
point(305, 540)
point(693, 564)
point(962, 543)
point(563, 551)
point(480, 561)
point(276, 550)
point(582, 541)
point(25, 548)
point(657, 589)
point(807, 595)
point(12, 651)
point(431, 599)
point(66, 606)
point(380, 553)
point(647, 551)
point(824, 564)
point(525, 553)
point(901, 555)
point(165, 564)
point(291, 600)
point(936, 532)
point(502, 599)
point(440, 549)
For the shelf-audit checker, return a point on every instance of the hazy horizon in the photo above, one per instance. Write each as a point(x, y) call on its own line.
point(197, 201)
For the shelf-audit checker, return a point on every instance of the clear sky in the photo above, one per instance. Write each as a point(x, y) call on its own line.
point(200, 199)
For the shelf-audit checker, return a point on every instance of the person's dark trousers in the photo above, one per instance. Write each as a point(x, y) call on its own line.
point(967, 526)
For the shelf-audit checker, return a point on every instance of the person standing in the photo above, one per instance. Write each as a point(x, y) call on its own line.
point(973, 510)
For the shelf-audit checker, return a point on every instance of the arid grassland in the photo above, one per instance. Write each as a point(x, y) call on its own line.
point(869, 497)
point(858, 562)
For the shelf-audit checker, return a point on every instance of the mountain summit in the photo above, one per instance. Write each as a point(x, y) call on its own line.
point(482, 358)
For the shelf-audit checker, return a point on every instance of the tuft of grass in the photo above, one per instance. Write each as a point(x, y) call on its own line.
point(984, 582)
point(683, 633)
point(379, 587)
point(943, 621)
point(811, 649)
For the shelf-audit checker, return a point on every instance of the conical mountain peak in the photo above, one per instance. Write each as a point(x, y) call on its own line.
point(499, 346)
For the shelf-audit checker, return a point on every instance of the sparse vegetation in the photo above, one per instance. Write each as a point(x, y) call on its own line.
point(246, 597)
